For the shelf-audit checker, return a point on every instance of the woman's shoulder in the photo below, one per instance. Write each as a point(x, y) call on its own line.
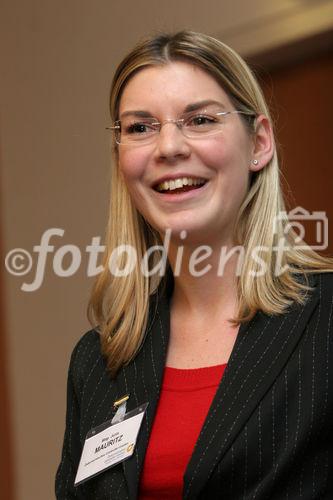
point(86, 355)
point(90, 339)
point(324, 281)
point(322, 287)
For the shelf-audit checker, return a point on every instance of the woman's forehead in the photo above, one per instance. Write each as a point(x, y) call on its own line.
point(176, 83)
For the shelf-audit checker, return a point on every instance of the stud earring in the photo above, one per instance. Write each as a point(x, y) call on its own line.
point(255, 162)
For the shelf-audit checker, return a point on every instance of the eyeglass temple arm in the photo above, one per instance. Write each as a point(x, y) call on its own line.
point(112, 127)
point(250, 113)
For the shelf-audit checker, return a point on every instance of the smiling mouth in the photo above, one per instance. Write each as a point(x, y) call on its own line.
point(180, 185)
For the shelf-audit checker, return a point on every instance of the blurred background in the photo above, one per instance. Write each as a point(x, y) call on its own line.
point(57, 60)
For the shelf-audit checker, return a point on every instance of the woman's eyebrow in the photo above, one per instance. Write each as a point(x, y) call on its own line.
point(139, 113)
point(202, 104)
point(190, 107)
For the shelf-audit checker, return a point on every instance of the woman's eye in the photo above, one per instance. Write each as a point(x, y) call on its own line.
point(138, 128)
point(199, 120)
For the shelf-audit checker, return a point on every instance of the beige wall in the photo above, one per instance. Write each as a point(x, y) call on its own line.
point(58, 58)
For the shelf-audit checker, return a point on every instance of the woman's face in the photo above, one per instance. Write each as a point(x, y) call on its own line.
point(223, 160)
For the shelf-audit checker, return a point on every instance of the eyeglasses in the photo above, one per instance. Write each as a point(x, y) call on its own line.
point(139, 131)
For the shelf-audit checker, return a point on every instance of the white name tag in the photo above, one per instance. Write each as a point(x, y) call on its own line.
point(109, 444)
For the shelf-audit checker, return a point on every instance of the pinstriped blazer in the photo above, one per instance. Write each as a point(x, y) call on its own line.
point(268, 432)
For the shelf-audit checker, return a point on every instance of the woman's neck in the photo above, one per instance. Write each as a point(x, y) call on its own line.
point(201, 287)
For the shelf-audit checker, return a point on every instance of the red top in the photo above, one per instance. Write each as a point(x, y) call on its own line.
point(185, 398)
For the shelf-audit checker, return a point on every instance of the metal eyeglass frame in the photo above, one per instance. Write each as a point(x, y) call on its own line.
point(179, 122)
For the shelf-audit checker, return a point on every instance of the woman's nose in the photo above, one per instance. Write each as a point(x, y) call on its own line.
point(171, 143)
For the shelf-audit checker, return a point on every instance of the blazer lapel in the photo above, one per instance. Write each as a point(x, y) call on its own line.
point(142, 380)
point(262, 348)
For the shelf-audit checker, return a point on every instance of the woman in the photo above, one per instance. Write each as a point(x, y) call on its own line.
point(227, 339)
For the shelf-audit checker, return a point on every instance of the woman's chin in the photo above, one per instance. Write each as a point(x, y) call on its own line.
point(185, 234)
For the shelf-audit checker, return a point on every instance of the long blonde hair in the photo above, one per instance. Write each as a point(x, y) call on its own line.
point(119, 305)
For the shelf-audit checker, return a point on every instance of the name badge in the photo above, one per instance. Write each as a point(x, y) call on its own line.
point(110, 443)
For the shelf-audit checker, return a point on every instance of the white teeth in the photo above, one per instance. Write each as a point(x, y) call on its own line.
point(179, 183)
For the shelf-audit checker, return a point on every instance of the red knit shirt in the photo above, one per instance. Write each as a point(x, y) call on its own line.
point(185, 398)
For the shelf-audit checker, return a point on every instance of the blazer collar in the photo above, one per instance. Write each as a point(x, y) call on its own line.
point(262, 348)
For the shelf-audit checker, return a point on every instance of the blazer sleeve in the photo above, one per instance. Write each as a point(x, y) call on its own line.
point(72, 445)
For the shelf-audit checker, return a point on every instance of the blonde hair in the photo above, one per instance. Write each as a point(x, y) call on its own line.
point(120, 305)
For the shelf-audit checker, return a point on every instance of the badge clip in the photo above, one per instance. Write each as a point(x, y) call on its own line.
point(118, 402)
point(120, 405)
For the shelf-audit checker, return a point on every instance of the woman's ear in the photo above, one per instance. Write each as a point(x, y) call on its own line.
point(263, 149)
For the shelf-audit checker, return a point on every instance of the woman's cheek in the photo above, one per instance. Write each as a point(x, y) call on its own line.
point(132, 164)
point(211, 152)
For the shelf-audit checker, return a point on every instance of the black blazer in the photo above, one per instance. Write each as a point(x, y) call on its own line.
point(268, 433)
